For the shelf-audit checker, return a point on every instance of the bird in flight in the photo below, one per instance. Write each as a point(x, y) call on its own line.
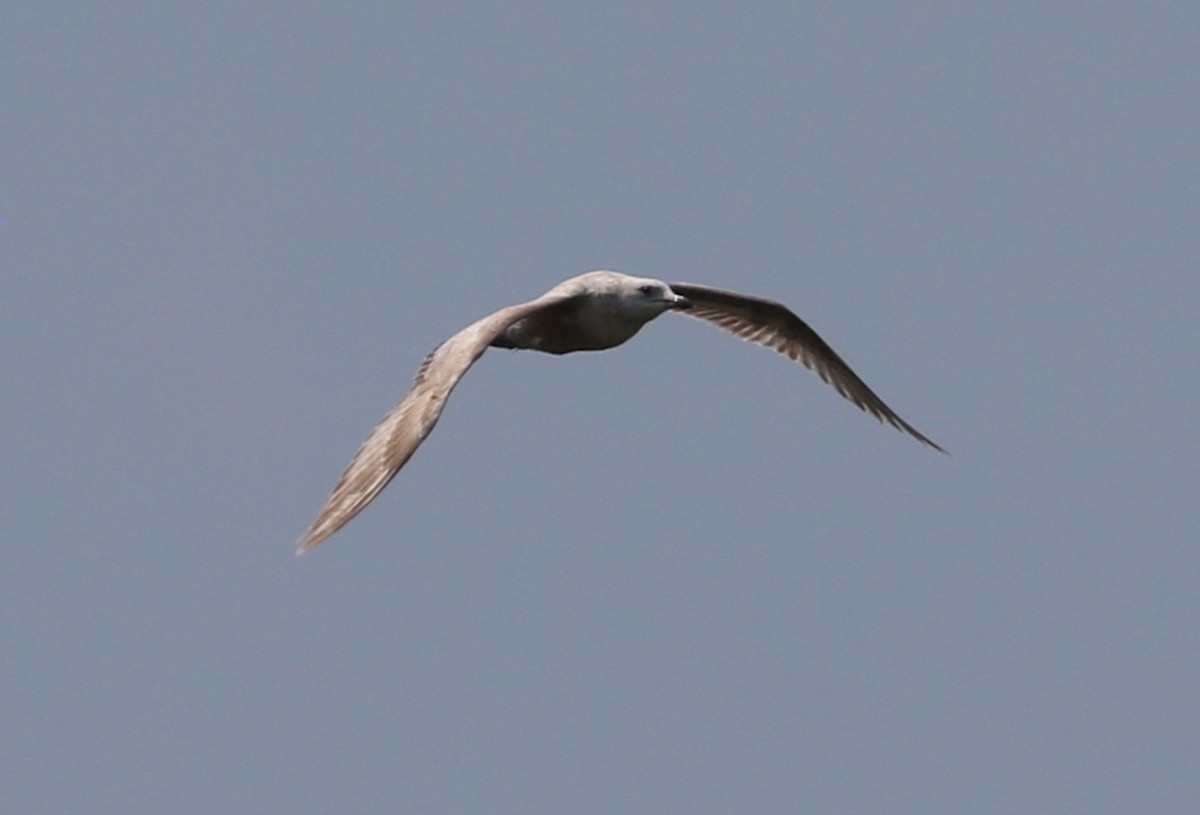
point(590, 312)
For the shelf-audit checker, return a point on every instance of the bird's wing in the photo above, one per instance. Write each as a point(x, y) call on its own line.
point(401, 431)
point(773, 325)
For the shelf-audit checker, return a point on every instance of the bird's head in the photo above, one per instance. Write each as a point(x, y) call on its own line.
point(654, 296)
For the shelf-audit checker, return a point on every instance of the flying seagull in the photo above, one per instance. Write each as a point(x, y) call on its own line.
point(591, 312)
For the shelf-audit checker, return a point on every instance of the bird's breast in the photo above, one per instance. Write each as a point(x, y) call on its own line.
point(565, 333)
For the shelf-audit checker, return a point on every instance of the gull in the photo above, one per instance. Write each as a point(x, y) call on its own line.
point(590, 312)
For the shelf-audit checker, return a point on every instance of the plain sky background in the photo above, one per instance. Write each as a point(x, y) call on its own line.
point(681, 576)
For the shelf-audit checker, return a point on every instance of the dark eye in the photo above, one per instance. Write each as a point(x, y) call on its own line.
point(646, 290)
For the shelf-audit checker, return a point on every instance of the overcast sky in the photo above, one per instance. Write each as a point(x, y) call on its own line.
point(680, 576)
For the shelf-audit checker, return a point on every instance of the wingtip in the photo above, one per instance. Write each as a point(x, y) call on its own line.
point(926, 440)
point(930, 442)
point(305, 543)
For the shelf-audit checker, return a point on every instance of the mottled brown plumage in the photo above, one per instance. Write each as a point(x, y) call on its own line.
point(591, 312)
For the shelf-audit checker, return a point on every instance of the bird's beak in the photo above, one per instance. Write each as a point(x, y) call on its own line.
point(681, 302)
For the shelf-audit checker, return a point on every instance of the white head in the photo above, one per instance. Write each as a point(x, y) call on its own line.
point(645, 298)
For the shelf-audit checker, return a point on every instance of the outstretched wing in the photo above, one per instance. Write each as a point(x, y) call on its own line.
point(401, 431)
point(773, 325)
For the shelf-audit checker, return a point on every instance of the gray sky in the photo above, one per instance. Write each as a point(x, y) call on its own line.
point(681, 576)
